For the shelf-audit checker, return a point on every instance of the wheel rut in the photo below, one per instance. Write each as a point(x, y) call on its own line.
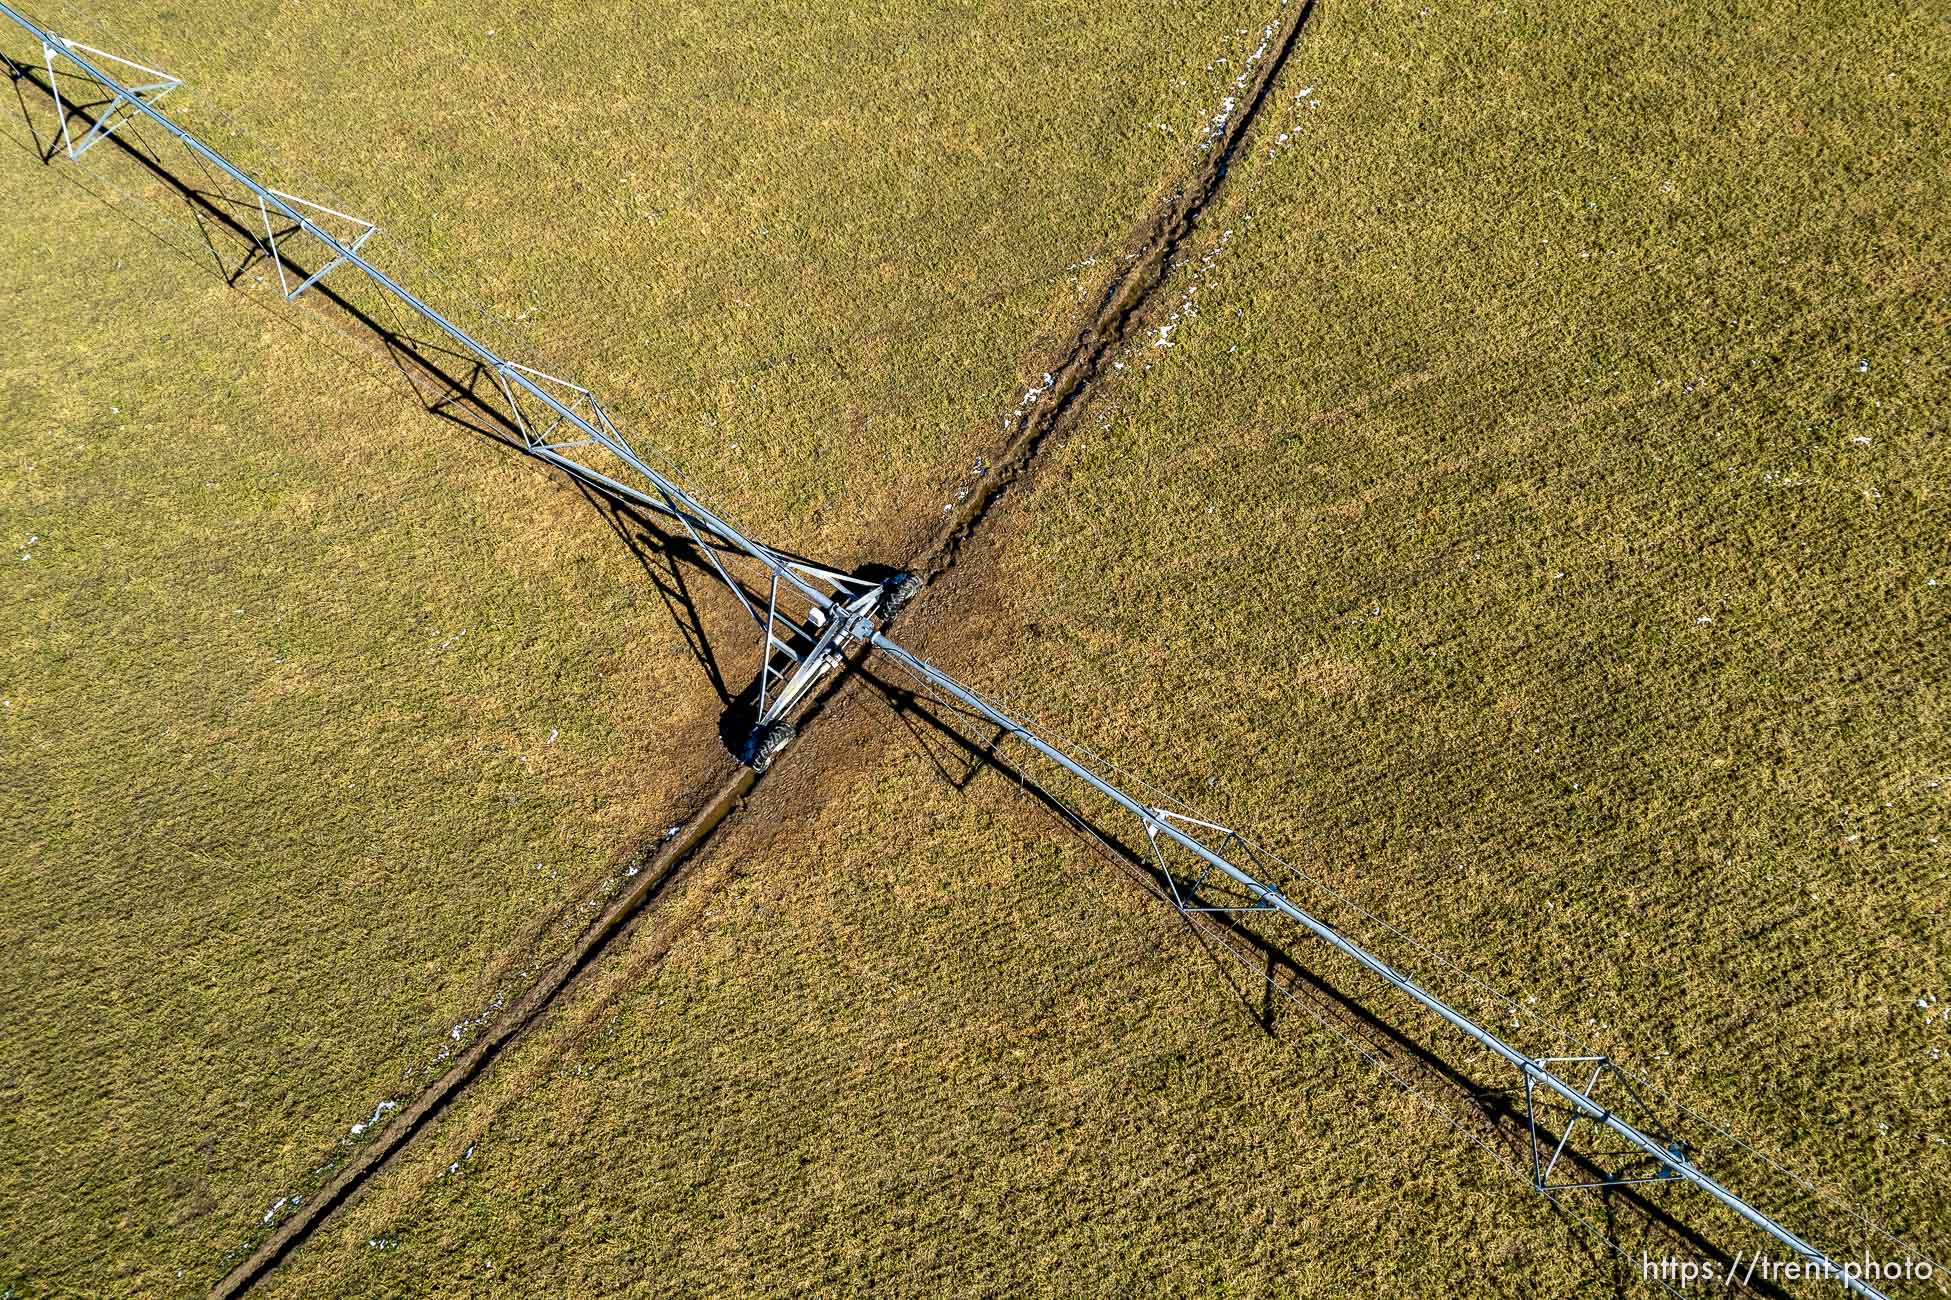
point(1113, 318)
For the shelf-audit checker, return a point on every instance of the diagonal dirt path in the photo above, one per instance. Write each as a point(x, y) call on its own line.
point(932, 551)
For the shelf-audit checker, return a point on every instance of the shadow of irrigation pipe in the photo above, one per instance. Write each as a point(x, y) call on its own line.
point(1494, 1110)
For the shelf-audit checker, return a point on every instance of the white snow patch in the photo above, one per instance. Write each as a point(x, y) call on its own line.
point(378, 1111)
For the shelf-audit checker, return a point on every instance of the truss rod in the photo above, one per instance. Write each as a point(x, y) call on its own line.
point(1673, 1163)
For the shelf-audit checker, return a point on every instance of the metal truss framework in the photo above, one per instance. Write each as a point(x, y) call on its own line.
point(108, 114)
point(812, 615)
point(838, 612)
point(1191, 854)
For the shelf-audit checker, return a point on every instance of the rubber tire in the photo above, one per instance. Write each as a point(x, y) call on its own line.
point(767, 745)
point(900, 589)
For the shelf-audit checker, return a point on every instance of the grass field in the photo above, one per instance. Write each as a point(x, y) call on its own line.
point(313, 723)
point(1523, 510)
point(1548, 548)
point(327, 720)
point(808, 255)
point(920, 1042)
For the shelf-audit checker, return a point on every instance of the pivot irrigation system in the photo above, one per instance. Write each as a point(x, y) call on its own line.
point(813, 618)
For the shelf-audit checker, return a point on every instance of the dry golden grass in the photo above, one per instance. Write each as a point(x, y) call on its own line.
point(326, 719)
point(1534, 529)
point(1495, 539)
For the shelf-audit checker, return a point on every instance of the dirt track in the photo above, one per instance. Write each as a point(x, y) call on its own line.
point(931, 551)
